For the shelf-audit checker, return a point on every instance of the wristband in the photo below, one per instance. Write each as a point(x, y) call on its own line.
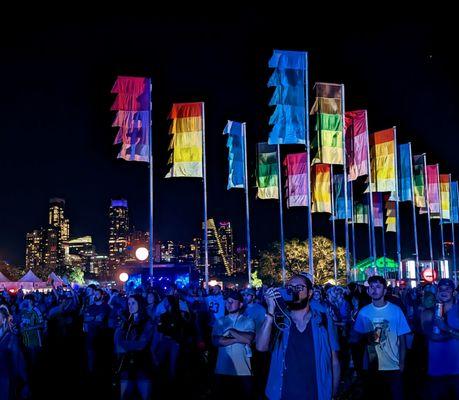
point(269, 314)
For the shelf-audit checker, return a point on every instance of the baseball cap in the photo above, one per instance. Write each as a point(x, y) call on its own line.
point(250, 291)
point(235, 295)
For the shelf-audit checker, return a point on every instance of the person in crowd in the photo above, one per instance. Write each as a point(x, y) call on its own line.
point(304, 361)
point(252, 309)
point(383, 326)
point(233, 334)
point(95, 325)
point(13, 377)
point(172, 326)
point(442, 332)
point(132, 344)
point(215, 304)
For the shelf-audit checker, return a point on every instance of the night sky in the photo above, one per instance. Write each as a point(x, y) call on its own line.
point(56, 120)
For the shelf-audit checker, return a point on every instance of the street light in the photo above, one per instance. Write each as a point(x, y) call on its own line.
point(123, 277)
point(141, 253)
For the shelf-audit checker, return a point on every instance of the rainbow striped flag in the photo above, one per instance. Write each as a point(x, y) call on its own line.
point(321, 188)
point(186, 142)
point(382, 146)
point(391, 215)
point(297, 177)
point(236, 160)
point(445, 182)
point(433, 192)
point(419, 180)
point(356, 143)
point(132, 104)
point(267, 172)
point(328, 142)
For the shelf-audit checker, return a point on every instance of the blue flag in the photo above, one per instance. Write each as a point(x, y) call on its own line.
point(338, 187)
point(404, 173)
point(454, 203)
point(235, 155)
point(289, 118)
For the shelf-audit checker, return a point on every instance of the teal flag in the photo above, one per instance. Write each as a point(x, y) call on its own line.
point(235, 155)
point(405, 175)
point(454, 203)
point(338, 186)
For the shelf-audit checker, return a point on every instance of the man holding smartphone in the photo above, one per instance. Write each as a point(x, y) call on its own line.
point(383, 326)
point(304, 360)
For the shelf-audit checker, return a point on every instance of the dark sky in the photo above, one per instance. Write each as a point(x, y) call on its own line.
point(56, 119)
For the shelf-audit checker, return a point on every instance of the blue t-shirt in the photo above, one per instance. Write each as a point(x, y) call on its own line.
point(444, 355)
point(300, 366)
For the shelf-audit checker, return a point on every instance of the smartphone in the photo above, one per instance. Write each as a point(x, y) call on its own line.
point(285, 294)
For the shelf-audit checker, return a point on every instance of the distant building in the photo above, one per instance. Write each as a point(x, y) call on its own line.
point(99, 266)
point(82, 247)
point(56, 235)
point(137, 239)
point(225, 233)
point(34, 249)
point(118, 235)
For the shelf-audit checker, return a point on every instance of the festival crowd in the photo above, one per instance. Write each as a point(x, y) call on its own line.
point(301, 341)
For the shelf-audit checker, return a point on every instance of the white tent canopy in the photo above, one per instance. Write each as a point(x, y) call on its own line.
point(55, 278)
point(3, 278)
point(30, 277)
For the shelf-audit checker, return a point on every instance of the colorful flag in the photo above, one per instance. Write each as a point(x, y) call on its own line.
point(356, 143)
point(186, 141)
point(454, 203)
point(404, 172)
point(328, 142)
point(289, 118)
point(382, 146)
point(445, 181)
point(235, 154)
point(297, 178)
point(419, 180)
point(340, 203)
point(320, 188)
point(391, 215)
point(378, 217)
point(360, 213)
point(267, 172)
point(132, 104)
point(433, 192)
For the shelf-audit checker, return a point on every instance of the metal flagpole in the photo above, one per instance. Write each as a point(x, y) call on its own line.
point(308, 169)
point(397, 208)
point(204, 180)
point(332, 191)
point(370, 230)
point(415, 230)
point(346, 224)
point(354, 255)
point(441, 216)
point(150, 239)
point(281, 213)
point(452, 233)
point(247, 215)
point(370, 183)
point(383, 237)
point(426, 190)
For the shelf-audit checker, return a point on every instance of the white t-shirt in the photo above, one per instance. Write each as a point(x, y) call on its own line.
point(235, 358)
point(216, 307)
point(390, 323)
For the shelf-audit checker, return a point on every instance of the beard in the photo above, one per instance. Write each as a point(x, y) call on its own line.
point(298, 305)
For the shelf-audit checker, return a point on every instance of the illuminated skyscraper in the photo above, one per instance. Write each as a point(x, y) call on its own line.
point(119, 231)
point(57, 234)
point(34, 249)
point(225, 233)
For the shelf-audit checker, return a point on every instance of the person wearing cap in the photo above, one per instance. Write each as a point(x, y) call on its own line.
point(383, 326)
point(253, 309)
point(304, 359)
point(233, 334)
point(443, 347)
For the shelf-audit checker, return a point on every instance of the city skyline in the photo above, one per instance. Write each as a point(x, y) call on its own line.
point(123, 239)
